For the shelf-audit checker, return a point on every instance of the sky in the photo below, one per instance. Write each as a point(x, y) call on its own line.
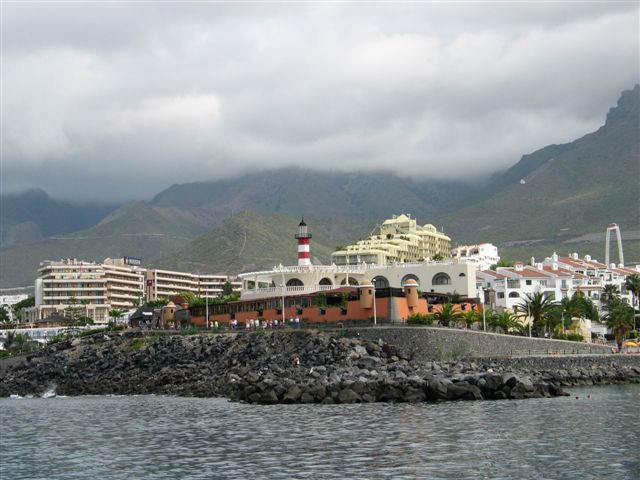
point(108, 102)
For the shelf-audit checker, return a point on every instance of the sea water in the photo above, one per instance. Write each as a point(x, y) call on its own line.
point(593, 434)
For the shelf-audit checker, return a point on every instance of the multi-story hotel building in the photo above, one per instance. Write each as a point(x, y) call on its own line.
point(71, 284)
point(400, 239)
point(92, 289)
point(164, 283)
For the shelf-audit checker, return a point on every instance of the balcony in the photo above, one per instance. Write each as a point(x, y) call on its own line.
point(513, 284)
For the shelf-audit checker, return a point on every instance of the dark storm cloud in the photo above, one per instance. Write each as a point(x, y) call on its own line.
point(117, 101)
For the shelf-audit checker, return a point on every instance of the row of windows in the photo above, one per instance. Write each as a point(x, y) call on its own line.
point(380, 281)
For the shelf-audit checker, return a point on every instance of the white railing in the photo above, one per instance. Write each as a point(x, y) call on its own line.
point(277, 291)
point(359, 268)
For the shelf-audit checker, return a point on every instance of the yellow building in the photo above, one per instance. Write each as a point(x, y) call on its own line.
point(400, 239)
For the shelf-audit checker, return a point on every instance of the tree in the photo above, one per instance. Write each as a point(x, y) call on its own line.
point(506, 321)
point(114, 314)
point(455, 297)
point(471, 317)
point(632, 283)
point(447, 315)
point(610, 293)
point(619, 318)
point(227, 289)
point(4, 314)
point(540, 309)
point(501, 263)
point(26, 303)
point(20, 343)
point(438, 257)
point(73, 310)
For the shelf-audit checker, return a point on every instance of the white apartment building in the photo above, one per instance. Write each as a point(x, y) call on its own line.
point(482, 255)
point(93, 288)
point(598, 275)
point(556, 277)
point(164, 283)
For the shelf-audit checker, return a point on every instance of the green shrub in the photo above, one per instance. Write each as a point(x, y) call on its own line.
point(632, 334)
point(575, 337)
point(136, 345)
point(420, 319)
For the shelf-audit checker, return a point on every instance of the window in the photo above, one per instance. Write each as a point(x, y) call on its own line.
point(462, 275)
point(294, 282)
point(514, 295)
point(380, 282)
point(528, 282)
point(441, 279)
point(325, 281)
point(410, 276)
point(500, 294)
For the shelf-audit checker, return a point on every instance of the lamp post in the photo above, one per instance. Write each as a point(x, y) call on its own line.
point(206, 307)
point(283, 288)
point(375, 318)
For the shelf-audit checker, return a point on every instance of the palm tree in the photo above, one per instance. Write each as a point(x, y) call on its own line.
point(610, 293)
point(540, 309)
point(19, 343)
point(619, 318)
point(506, 320)
point(114, 313)
point(632, 283)
point(471, 317)
point(447, 314)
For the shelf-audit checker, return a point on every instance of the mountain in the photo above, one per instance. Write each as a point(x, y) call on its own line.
point(33, 215)
point(135, 229)
point(566, 190)
point(297, 192)
point(249, 241)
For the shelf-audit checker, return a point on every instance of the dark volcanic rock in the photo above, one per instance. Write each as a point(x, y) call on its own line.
point(260, 368)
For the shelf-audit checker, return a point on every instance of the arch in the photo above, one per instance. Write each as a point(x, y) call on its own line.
point(380, 282)
point(441, 279)
point(410, 276)
point(514, 295)
point(352, 281)
point(326, 281)
point(462, 274)
point(295, 282)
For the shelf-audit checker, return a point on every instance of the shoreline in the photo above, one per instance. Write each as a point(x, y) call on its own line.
point(296, 366)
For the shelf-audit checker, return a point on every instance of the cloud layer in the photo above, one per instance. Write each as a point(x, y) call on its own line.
point(118, 101)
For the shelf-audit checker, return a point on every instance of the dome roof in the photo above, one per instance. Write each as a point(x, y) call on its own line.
point(366, 283)
point(410, 282)
point(170, 304)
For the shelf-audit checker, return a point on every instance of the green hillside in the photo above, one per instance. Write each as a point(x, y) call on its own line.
point(135, 230)
point(32, 215)
point(249, 241)
point(569, 190)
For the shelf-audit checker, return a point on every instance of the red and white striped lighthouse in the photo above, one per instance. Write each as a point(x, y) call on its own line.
point(304, 240)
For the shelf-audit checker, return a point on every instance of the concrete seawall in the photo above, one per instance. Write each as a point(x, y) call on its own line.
point(430, 343)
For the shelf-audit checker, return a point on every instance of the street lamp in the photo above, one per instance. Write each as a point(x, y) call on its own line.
point(206, 307)
point(375, 318)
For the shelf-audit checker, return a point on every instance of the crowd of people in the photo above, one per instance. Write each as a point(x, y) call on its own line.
point(252, 324)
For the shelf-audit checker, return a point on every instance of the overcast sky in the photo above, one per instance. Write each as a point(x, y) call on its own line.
point(118, 101)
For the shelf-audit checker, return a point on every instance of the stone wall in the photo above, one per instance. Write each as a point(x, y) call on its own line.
point(430, 343)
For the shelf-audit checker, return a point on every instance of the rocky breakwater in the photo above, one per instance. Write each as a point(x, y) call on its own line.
point(278, 367)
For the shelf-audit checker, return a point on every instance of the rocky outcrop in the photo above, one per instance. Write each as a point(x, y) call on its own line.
point(288, 367)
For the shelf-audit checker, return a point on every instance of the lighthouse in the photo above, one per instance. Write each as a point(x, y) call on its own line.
point(304, 239)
